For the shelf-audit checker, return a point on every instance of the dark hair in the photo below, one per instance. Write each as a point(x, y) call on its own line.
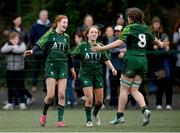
point(58, 19)
point(136, 14)
point(119, 15)
point(79, 34)
point(15, 16)
point(177, 25)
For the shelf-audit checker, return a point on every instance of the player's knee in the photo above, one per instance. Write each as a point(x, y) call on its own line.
point(89, 102)
point(99, 102)
point(50, 98)
point(61, 97)
point(134, 91)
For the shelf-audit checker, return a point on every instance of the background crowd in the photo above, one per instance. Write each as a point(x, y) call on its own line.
point(163, 64)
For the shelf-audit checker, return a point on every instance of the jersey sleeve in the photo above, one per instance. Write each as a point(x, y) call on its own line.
point(43, 40)
point(105, 56)
point(69, 56)
point(76, 52)
point(125, 34)
point(68, 45)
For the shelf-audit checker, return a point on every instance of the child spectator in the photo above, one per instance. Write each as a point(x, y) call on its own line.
point(13, 50)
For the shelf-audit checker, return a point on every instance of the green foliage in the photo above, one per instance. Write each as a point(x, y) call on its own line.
point(103, 11)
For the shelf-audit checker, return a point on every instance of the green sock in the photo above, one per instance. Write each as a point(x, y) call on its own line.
point(119, 114)
point(88, 113)
point(60, 110)
point(144, 108)
point(96, 109)
point(45, 108)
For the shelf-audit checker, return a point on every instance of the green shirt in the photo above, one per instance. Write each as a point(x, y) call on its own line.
point(136, 36)
point(91, 61)
point(56, 46)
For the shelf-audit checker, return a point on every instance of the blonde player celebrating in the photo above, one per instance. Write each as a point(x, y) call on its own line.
point(91, 75)
point(56, 45)
point(136, 36)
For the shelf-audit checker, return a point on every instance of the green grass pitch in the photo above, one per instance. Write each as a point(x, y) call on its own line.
point(28, 121)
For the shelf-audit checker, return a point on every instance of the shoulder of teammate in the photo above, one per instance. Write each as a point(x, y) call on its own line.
point(44, 39)
point(127, 28)
point(126, 31)
point(78, 47)
point(82, 44)
point(66, 35)
point(151, 35)
point(146, 28)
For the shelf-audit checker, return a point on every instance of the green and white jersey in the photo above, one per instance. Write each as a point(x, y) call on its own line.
point(136, 36)
point(56, 46)
point(91, 61)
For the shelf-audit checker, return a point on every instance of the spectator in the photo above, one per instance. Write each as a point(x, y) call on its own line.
point(116, 58)
point(117, 30)
point(79, 37)
point(119, 20)
point(176, 41)
point(38, 29)
point(161, 66)
point(109, 37)
point(109, 34)
point(13, 50)
point(16, 25)
point(88, 22)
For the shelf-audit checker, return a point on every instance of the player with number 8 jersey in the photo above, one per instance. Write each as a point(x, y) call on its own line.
point(136, 35)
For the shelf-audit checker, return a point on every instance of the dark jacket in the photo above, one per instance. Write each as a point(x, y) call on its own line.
point(37, 30)
point(23, 36)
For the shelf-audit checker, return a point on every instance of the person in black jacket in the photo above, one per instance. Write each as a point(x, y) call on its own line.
point(161, 67)
point(38, 29)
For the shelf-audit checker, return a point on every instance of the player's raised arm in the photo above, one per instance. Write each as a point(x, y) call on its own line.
point(107, 47)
